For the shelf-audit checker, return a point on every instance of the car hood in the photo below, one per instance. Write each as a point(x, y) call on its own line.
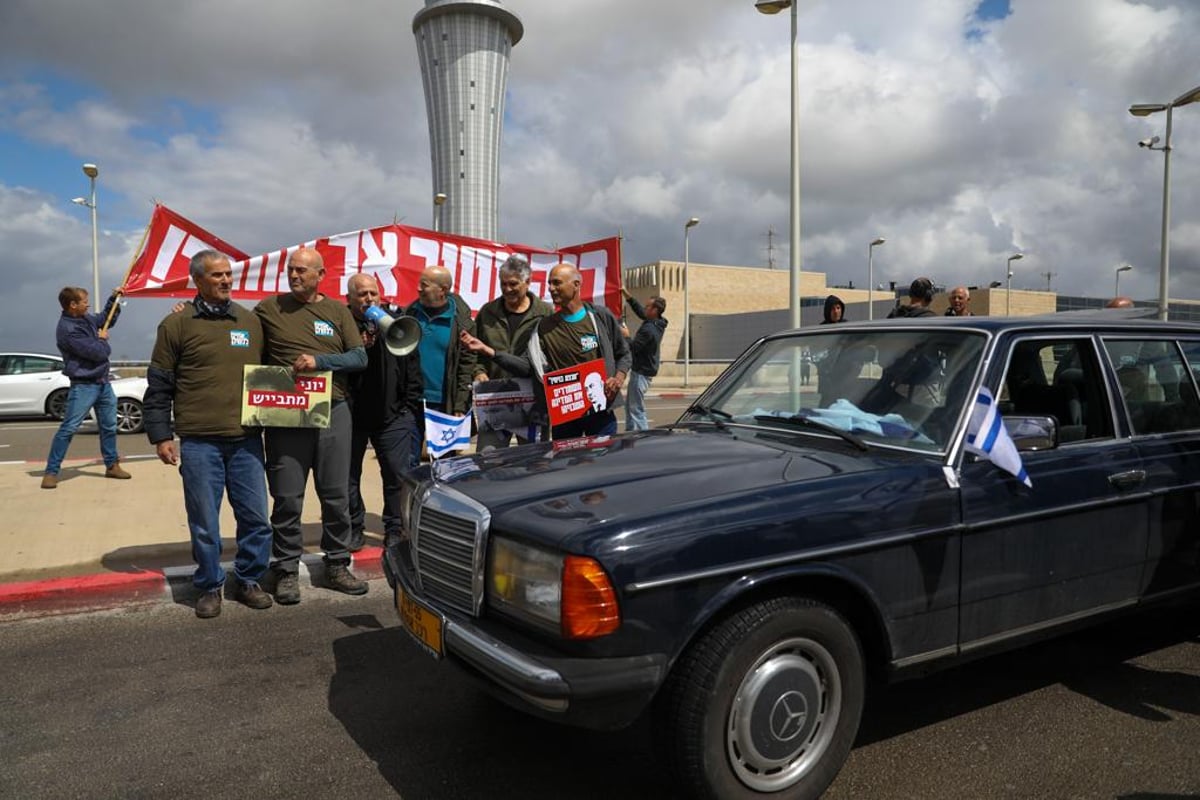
point(561, 487)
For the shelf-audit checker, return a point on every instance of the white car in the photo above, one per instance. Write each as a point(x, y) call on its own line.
point(33, 384)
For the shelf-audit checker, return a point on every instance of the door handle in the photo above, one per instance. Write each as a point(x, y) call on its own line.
point(1127, 480)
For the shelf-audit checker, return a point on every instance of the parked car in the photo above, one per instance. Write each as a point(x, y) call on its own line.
point(33, 384)
point(740, 574)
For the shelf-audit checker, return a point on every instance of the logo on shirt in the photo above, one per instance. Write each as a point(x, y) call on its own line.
point(239, 338)
point(589, 342)
point(322, 328)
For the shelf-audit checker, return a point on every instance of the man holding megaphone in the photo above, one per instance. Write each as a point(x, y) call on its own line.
point(385, 401)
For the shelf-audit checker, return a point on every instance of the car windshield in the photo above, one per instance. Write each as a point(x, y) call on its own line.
point(906, 388)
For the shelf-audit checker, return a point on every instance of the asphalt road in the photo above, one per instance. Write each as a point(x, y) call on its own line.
point(330, 699)
point(28, 439)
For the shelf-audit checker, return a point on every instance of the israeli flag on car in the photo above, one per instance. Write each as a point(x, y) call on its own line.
point(444, 432)
point(988, 438)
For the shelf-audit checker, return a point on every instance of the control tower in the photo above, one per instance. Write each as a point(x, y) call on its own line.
point(464, 47)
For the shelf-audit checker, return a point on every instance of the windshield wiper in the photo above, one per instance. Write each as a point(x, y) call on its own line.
point(808, 422)
point(716, 415)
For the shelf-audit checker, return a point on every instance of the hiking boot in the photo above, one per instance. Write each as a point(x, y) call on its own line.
point(287, 588)
point(251, 595)
point(209, 605)
point(49, 481)
point(115, 471)
point(339, 578)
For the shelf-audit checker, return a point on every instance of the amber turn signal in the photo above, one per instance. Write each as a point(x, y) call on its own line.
point(589, 604)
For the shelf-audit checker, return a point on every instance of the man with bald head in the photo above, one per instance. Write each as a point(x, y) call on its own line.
point(576, 333)
point(1120, 302)
point(309, 331)
point(385, 404)
point(960, 300)
point(446, 368)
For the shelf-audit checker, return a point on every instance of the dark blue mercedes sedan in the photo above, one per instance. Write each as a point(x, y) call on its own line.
point(934, 490)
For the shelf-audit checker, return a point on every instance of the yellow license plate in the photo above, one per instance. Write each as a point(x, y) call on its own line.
point(424, 625)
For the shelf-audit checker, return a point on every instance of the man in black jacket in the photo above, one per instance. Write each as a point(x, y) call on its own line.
point(644, 348)
point(920, 295)
point(385, 402)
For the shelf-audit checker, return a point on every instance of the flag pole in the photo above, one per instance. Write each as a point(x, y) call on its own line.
point(136, 255)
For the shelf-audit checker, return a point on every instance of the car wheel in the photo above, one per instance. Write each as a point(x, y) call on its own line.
point(129, 415)
point(56, 404)
point(766, 704)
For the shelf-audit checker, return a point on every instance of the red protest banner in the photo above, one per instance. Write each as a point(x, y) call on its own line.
point(394, 254)
point(575, 391)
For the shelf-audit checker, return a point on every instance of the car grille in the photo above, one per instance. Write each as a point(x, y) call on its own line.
point(448, 548)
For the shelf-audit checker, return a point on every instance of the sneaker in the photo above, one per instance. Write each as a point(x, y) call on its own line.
point(115, 471)
point(49, 481)
point(209, 605)
point(251, 595)
point(287, 588)
point(339, 578)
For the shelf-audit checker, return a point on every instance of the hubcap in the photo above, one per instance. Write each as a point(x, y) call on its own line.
point(784, 714)
point(129, 416)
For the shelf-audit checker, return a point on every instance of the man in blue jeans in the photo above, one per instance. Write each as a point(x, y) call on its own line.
point(195, 375)
point(644, 349)
point(83, 341)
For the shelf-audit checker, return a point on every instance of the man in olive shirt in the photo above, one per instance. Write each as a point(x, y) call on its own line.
point(308, 331)
point(195, 375)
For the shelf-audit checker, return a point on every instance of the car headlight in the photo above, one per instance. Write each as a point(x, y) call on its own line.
point(408, 496)
point(565, 594)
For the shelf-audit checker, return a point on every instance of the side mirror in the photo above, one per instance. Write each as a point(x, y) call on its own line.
point(1032, 433)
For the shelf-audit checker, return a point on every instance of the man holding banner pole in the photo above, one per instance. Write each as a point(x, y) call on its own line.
point(308, 331)
point(576, 334)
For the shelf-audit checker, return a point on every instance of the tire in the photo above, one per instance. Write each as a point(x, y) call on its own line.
point(129, 415)
point(766, 704)
point(56, 404)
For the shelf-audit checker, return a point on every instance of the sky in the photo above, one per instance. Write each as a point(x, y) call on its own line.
point(961, 132)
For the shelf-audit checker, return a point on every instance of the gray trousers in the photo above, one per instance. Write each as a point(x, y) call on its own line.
point(291, 454)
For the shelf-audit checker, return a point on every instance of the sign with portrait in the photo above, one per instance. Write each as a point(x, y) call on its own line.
point(505, 404)
point(575, 392)
point(276, 397)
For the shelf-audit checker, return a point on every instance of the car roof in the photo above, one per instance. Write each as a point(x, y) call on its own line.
point(1114, 320)
point(35, 355)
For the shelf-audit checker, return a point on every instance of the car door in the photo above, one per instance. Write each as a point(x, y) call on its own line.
point(1157, 383)
point(1074, 543)
point(25, 381)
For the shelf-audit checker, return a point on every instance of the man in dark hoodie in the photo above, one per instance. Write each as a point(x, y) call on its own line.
point(835, 310)
point(644, 348)
point(920, 295)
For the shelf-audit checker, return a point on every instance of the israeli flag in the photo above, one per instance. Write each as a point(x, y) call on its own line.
point(988, 438)
point(444, 432)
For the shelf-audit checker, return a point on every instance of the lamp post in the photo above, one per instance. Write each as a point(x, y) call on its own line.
point(871, 277)
point(91, 170)
point(774, 7)
point(1008, 284)
point(439, 200)
point(687, 315)
point(1164, 254)
point(1117, 286)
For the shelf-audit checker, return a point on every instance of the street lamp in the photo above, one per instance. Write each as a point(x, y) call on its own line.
point(1145, 110)
point(439, 200)
point(1117, 286)
point(774, 7)
point(1008, 284)
point(687, 316)
point(91, 170)
point(871, 277)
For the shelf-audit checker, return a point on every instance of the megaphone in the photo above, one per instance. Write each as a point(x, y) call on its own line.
point(401, 335)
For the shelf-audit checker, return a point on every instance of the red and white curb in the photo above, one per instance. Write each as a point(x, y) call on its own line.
point(110, 589)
